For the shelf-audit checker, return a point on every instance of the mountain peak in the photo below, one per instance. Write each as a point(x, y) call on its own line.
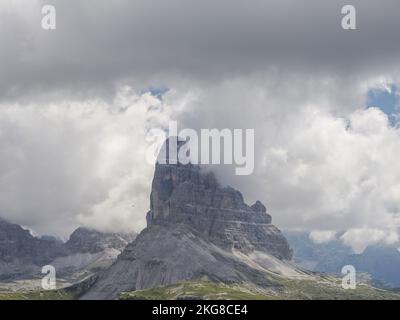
point(90, 240)
point(197, 228)
point(189, 195)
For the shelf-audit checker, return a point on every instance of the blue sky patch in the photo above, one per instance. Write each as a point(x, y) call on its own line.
point(386, 100)
point(157, 92)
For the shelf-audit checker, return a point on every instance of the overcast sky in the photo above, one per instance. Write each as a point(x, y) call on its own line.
point(75, 108)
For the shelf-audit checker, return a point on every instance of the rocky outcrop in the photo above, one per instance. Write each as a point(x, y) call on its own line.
point(22, 255)
point(89, 240)
point(197, 228)
point(89, 252)
point(21, 252)
point(185, 194)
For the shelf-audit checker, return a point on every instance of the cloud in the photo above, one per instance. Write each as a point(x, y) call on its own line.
point(97, 44)
point(71, 163)
point(323, 160)
point(73, 115)
point(360, 239)
point(322, 236)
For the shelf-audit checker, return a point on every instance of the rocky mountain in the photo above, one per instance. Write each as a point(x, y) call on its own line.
point(380, 262)
point(22, 255)
point(89, 251)
point(311, 255)
point(184, 194)
point(89, 240)
point(197, 229)
point(21, 252)
point(201, 241)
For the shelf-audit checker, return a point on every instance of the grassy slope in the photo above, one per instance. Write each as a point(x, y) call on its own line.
point(204, 290)
point(320, 288)
point(37, 295)
point(286, 289)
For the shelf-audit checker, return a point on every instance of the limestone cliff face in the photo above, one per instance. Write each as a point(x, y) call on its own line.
point(186, 194)
point(197, 228)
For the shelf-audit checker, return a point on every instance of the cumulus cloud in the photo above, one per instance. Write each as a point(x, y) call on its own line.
point(74, 112)
point(322, 236)
point(361, 238)
point(71, 163)
point(323, 160)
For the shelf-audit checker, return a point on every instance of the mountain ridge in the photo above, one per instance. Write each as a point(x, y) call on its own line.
point(22, 255)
